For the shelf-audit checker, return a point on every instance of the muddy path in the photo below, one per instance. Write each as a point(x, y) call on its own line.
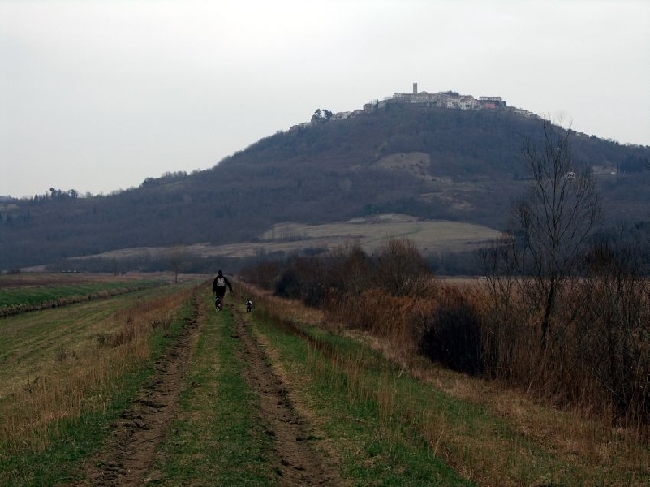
point(129, 454)
point(128, 457)
point(298, 463)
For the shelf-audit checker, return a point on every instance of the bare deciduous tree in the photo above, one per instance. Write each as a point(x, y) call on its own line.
point(549, 228)
point(401, 270)
point(554, 220)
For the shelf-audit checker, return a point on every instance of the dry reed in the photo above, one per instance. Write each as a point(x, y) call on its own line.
point(526, 379)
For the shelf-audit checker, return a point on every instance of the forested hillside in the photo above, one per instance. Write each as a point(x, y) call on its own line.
point(430, 163)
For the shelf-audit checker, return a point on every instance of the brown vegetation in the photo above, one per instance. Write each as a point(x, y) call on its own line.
point(538, 443)
point(91, 355)
point(597, 363)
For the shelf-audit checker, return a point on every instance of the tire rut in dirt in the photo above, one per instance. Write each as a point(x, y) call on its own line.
point(298, 463)
point(129, 454)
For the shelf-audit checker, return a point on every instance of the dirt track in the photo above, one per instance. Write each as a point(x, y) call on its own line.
point(127, 458)
point(299, 464)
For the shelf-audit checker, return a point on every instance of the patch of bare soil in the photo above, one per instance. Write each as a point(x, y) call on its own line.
point(299, 464)
point(129, 454)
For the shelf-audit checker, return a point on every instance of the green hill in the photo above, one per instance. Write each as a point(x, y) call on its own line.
point(426, 162)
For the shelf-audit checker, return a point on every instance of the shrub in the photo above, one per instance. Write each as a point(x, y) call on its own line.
point(289, 285)
point(452, 336)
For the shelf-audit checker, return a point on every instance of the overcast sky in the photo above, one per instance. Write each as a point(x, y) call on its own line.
point(96, 96)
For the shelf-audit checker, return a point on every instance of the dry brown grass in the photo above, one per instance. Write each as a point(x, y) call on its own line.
point(371, 233)
point(593, 451)
point(60, 363)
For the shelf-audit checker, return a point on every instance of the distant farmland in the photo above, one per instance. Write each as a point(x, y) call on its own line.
point(371, 233)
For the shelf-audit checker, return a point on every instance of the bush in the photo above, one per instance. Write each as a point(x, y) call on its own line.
point(289, 285)
point(452, 336)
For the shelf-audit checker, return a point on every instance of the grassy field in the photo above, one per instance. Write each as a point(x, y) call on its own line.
point(69, 375)
point(65, 373)
point(371, 233)
point(28, 292)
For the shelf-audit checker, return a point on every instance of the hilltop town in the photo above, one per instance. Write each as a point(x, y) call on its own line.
point(448, 99)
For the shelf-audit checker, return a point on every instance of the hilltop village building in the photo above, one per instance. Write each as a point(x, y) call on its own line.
point(448, 99)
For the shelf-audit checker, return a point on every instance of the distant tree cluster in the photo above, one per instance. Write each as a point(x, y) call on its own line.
point(60, 195)
point(321, 116)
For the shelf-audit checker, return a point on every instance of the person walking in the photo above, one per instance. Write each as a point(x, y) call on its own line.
point(219, 286)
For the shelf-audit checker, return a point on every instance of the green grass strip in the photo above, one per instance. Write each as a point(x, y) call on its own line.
point(32, 295)
point(218, 438)
point(342, 387)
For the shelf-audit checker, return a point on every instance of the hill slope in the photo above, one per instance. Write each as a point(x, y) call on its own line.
point(430, 163)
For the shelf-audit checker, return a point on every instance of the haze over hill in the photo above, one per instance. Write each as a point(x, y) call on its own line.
point(410, 155)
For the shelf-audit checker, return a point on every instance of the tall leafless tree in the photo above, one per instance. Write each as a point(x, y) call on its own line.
point(553, 221)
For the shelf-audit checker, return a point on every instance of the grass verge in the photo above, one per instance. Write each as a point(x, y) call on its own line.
point(218, 438)
point(350, 393)
point(391, 428)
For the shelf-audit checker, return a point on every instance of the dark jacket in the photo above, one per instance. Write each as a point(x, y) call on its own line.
point(219, 285)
